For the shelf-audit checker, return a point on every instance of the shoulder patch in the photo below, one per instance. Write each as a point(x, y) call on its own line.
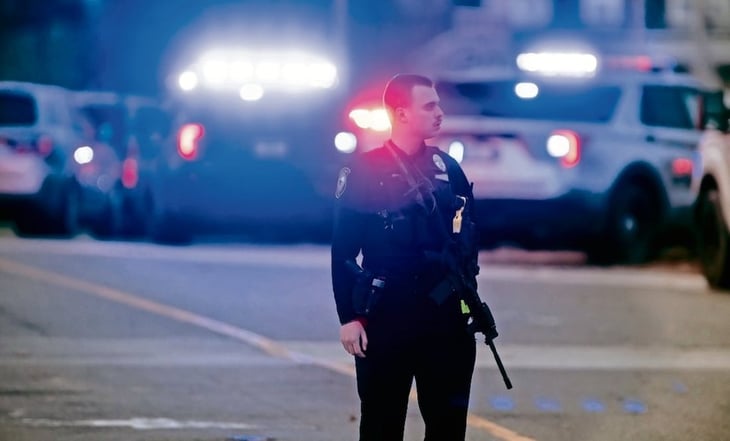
point(439, 162)
point(342, 182)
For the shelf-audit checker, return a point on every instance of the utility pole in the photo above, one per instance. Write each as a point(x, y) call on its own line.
point(340, 16)
point(703, 60)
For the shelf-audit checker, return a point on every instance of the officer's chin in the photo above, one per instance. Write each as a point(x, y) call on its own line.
point(433, 132)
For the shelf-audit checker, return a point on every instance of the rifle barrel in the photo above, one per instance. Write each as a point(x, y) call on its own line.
point(507, 381)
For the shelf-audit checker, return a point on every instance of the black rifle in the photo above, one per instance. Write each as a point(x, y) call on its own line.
point(459, 256)
point(462, 280)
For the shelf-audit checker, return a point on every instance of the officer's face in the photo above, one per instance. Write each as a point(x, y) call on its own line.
point(424, 115)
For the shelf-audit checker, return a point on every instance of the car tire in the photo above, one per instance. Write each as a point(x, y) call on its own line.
point(134, 213)
point(109, 224)
point(58, 217)
point(713, 240)
point(68, 219)
point(632, 220)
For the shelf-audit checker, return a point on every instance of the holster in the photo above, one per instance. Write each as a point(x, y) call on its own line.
point(366, 293)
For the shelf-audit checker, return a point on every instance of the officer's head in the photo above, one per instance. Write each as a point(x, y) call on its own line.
point(413, 105)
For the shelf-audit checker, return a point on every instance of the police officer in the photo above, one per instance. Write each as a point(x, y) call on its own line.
point(396, 205)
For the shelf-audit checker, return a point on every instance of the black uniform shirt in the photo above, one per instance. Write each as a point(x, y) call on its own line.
point(379, 214)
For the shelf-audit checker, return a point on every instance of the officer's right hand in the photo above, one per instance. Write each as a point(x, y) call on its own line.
point(353, 338)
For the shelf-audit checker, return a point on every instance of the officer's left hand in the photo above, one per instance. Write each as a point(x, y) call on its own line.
point(353, 338)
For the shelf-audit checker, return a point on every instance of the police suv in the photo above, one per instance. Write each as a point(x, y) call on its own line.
point(252, 134)
point(711, 180)
point(576, 151)
point(568, 150)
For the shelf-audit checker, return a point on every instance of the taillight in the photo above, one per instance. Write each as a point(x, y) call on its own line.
point(681, 167)
point(130, 173)
point(565, 145)
point(18, 146)
point(188, 140)
point(44, 145)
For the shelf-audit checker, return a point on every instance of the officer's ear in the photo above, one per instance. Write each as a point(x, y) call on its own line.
point(401, 115)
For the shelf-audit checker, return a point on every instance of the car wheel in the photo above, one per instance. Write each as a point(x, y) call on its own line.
point(68, 217)
point(56, 216)
point(631, 226)
point(109, 223)
point(713, 240)
point(134, 223)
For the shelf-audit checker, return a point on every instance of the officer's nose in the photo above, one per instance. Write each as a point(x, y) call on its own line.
point(439, 113)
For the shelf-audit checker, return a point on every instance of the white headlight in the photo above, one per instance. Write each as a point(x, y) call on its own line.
point(345, 142)
point(83, 154)
point(558, 145)
point(526, 90)
point(251, 92)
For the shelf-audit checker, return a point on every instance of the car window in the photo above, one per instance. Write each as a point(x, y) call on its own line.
point(714, 112)
point(17, 109)
point(669, 106)
point(693, 103)
point(108, 124)
point(151, 126)
point(547, 101)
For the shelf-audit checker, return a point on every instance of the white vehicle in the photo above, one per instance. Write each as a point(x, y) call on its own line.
point(576, 151)
point(39, 136)
point(712, 182)
point(569, 150)
point(131, 130)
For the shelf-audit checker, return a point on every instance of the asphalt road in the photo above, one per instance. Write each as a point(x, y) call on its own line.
point(113, 341)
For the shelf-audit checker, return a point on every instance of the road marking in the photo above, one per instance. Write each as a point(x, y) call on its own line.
point(567, 357)
point(318, 257)
point(267, 345)
point(139, 424)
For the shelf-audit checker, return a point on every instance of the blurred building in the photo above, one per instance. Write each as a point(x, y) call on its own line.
point(695, 32)
point(122, 44)
point(47, 41)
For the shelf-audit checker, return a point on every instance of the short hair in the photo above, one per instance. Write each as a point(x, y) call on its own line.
point(399, 89)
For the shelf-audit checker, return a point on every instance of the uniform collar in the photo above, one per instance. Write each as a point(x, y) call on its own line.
point(402, 153)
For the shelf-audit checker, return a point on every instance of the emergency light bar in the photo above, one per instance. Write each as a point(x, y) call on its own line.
point(558, 63)
point(234, 70)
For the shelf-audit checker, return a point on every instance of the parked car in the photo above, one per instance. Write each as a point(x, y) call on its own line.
point(711, 180)
point(43, 151)
point(135, 128)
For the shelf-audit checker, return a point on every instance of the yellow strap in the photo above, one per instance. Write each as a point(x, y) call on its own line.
point(456, 223)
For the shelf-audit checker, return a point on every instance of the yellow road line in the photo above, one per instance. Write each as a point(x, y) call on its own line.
point(266, 345)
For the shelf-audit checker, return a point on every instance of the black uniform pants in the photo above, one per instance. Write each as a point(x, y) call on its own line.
point(435, 351)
